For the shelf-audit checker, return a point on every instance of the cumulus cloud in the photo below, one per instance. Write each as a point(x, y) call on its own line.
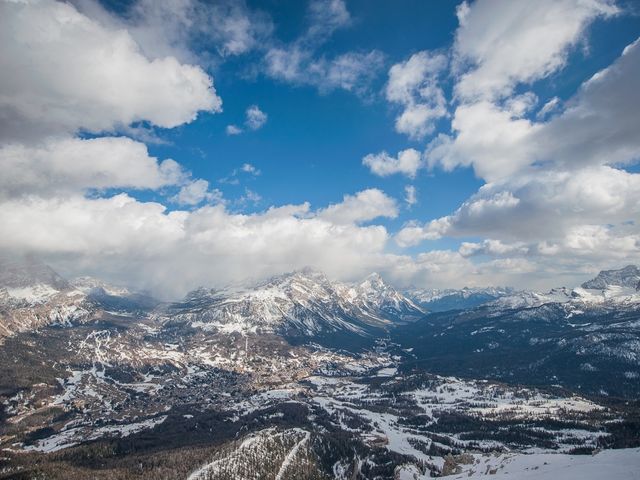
point(540, 207)
point(492, 247)
point(408, 162)
point(490, 139)
point(555, 194)
point(196, 192)
point(599, 124)
point(233, 130)
point(596, 127)
point(361, 207)
point(414, 85)
point(171, 252)
point(86, 76)
point(63, 165)
point(501, 44)
point(256, 118)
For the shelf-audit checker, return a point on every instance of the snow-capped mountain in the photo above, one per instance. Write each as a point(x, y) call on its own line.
point(529, 299)
point(33, 295)
point(29, 281)
point(300, 303)
point(440, 300)
point(585, 338)
point(610, 289)
point(627, 277)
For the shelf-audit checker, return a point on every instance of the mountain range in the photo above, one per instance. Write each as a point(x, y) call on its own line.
point(300, 373)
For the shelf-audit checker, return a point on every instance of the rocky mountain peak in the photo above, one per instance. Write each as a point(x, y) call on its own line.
point(628, 276)
point(27, 272)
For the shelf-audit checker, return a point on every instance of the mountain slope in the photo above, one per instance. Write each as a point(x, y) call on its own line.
point(584, 339)
point(303, 303)
point(628, 276)
point(33, 295)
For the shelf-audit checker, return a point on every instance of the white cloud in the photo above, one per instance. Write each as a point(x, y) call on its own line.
point(408, 162)
point(486, 137)
point(326, 16)
point(250, 197)
point(492, 247)
point(233, 130)
point(171, 252)
point(196, 192)
point(542, 207)
point(410, 195)
point(414, 85)
point(506, 43)
point(351, 71)
point(549, 107)
point(361, 207)
point(186, 29)
point(63, 165)
point(249, 168)
point(256, 118)
point(298, 62)
point(86, 76)
point(597, 127)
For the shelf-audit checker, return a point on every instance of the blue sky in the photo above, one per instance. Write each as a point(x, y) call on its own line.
point(524, 171)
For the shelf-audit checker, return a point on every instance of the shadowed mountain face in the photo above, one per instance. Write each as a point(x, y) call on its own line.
point(587, 339)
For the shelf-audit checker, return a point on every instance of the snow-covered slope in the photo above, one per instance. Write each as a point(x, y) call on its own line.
point(33, 295)
point(623, 464)
point(610, 289)
point(299, 303)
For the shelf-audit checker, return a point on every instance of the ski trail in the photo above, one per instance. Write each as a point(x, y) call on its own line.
point(290, 456)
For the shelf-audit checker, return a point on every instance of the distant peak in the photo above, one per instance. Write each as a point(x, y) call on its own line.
point(28, 271)
point(374, 278)
point(628, 276)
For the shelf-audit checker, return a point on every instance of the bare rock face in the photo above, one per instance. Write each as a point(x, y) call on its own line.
point(300, 303)
point(628, 276)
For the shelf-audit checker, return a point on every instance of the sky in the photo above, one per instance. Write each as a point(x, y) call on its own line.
point(166, 145)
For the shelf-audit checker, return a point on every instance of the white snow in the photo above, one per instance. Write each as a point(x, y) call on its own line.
point(621, 464)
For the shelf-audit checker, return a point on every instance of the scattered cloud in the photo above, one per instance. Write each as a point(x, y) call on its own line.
point(361, 207)
point(196, 192)
point(414, 85)
point(249, 168)
point(410, 195)
point(233, 130)
point(299, 63)
point(245, 169)
point(408, 162)
point(256, 118)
